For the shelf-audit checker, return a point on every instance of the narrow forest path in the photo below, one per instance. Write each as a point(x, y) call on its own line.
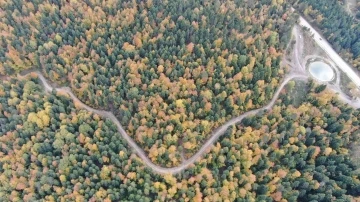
point(296, 73)
point(164, 170)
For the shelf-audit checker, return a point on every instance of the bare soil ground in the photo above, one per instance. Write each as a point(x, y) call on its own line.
point(351, 7)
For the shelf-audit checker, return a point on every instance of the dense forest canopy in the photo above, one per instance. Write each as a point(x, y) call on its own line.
point(51, 150)
point(171, 70)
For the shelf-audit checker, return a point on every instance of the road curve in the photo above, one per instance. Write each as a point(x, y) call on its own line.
point(298, 73)
point(173, 170)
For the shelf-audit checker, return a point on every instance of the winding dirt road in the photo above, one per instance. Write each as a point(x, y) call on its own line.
point(213, 137)
point(298, 72)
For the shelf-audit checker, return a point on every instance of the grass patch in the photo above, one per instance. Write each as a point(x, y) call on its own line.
point(355, 151)
point(297, 95)
point(344, 83)
point(310, 45)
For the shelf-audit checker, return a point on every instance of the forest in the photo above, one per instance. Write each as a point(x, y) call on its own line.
point(171, 72)
point(338, 27)
point(297, 151)
point(170, 75)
